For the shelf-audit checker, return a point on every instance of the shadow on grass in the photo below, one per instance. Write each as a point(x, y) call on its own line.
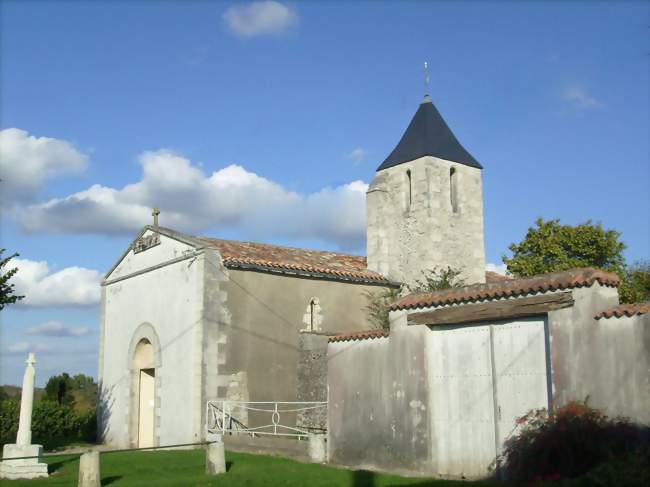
point(57, 465)
point(53, 444)
point(228, 466)
point(110, 480)
point(363, 478)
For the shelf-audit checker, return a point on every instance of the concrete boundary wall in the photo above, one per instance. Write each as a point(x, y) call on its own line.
point(605, 362)
point(380, 388)
point(378, 402)
point(280, 447)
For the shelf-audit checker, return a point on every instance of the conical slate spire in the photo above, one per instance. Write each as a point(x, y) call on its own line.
point(428, 135)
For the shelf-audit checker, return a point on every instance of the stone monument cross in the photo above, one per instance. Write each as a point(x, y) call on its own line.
point(31, 467)
point(26, 404)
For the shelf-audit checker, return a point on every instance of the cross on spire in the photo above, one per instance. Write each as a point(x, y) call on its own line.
point(155, 213)
point(30, 359)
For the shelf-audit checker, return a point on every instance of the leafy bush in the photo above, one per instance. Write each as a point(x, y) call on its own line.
point(9, 414)
point(50, 419)
point(568, 443)
point(88, 427)
point(378, 306)
point(438, 279)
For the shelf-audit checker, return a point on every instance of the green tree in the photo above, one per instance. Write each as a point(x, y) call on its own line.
point(635, 286)
point(85, 392)
point(59, 389)
point(551, 247)
point(82, 382)
point(7, 295)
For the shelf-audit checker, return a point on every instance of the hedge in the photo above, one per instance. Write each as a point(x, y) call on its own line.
point(49, 420)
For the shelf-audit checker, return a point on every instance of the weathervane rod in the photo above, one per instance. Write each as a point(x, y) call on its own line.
point(427, 78)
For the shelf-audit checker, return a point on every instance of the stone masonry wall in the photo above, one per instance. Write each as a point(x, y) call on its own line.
point(312, 380)
point(404, 239)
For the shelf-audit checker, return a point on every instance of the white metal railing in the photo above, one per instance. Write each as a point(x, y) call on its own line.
point(232, 417)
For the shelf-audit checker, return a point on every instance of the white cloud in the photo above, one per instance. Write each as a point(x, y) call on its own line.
point(266, 17)
point(357, 155)
point(21, 348)
point(498, 268)
point(27, 161)
point(192, 201)
point(72, 286)
point(579, 98)
point(57, 329)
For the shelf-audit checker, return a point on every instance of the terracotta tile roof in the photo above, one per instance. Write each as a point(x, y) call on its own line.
point(511, 287)
point(359, 335)
point(294, 261)
point(491, 276)
point(625, 310)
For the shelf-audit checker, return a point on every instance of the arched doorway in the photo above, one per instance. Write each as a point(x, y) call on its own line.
point(144, 368)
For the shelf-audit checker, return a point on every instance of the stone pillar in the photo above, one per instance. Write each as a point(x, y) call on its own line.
point(317, 448)
point(89, 471)
point(311, 385)
point(215, 458)
point(24, 468)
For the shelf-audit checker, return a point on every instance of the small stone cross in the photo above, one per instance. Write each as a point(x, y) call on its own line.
point(30, 359)
point(155, 213)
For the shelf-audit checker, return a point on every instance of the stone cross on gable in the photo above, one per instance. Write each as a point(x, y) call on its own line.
point(155, 213)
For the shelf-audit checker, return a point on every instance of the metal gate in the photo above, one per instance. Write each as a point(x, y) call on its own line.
point(482, 378)
point(262, 418)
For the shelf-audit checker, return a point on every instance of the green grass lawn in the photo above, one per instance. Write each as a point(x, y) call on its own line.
point(186, 468)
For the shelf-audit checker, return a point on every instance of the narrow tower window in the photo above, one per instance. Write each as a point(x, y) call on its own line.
point(453, 189)
point(312, 313)
point(410, 190)
point(312, 319)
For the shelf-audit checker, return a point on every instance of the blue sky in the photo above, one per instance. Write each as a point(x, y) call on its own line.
point(264, 121)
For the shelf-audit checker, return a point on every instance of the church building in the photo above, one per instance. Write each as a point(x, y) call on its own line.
point(186, 319)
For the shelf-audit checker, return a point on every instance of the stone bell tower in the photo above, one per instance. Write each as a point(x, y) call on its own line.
point(425, 205)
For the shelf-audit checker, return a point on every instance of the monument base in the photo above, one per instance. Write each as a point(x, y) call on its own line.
point(25, 468)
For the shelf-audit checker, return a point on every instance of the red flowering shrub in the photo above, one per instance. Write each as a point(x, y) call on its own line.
point(569, 442)
point(632, 470)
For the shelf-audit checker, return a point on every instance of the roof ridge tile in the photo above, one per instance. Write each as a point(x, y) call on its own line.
point(512, 287)
point(629, 310)
point(359, 335)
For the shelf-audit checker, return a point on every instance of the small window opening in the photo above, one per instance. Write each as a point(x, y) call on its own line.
point(453, 189)
point(410, 190)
